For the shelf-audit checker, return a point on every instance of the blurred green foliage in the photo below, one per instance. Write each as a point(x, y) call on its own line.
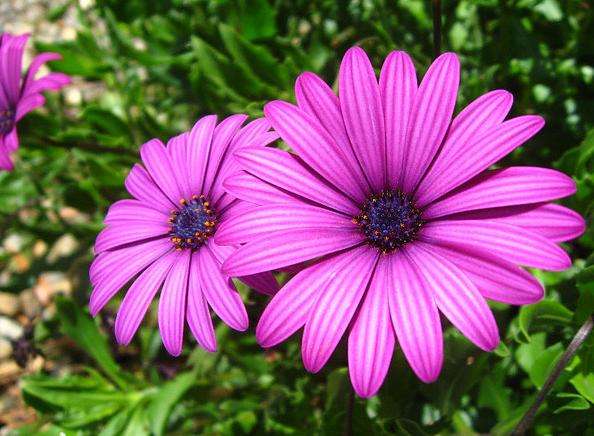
point(149, 69)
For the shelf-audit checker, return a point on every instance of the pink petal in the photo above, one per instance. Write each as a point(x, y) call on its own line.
point(484, 113)
point(221, 140)
point(288, 248)
point(361, 109)
point(220, 292)
point(199, 145)
point(249, 188)
point(157, 162)
point(11, 63)
point(335, 307)
point(315, 146)
point(139, 297)
point(398, 85)
point(49, 82)
point(456, 297)
point(317, 99)
point(495, 278)
point(480, 153)
point(266, 220)
point(124, 211)
point(111, 270)
point(27, 104)
point(415, 317)
point(555, 222)
point(512, 243)
point(116, 235)
point(198, 315)
point(35, 65)
point(289, 309)
point(504, 187)
point(430, 117)
point(287, 171)
point(172, 304)
point(371, 341)
point(141, 186)
point(177, 148)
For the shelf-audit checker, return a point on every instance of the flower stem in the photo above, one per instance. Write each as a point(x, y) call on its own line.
point(579, 338)
point(436, 27)
point(348, 425)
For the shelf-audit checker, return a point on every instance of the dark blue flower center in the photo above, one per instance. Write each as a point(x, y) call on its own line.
point(389, 220)
point(192, 223)
point(6, 120)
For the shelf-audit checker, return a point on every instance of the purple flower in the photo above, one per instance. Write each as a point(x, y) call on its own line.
point(19, 97)
point(162, 238)
point(393, 215)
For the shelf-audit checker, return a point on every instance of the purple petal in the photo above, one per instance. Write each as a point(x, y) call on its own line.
point(371, 341)
point(172, 304)
point(264, 283)
point(335, 307)
point(555, 222)
point(286, 171)
point(398, 85)
point(480, 153)
point(115, 235)
point(11, 63)
point(495, 278)
point(266, 220)
point(221, 140)
point(317, 99)
point(484, 113)
point(11, 140)
point(27, 104)
point(415, 317)
point(361, 109)
point(198, 315)
point(504, 187)
point(430, 117)
point(142, 187)
point(456, 297)
point(124, 211)
point(111, 270)
point(199, 145)
point(288, 248)
point(177, 148)
point(315, 146)
point(156, 160)
point(290, 307)
point(49, 82)
point(512, 243)
point(249, 188)
point(139, 297)
point(220, 292)
point(34, 67)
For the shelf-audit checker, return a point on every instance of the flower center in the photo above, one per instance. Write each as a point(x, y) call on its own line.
point(192, 224)
point(389, 220)
point(6, 120)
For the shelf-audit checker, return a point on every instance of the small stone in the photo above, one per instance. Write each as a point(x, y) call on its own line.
point(5, 349)
point(8, 371)
point(10, 329)
point(51, 283)
point(9, 304)
point(30, 304)
point(63, 247)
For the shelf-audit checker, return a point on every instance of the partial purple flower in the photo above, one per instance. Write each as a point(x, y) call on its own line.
point(162, 238)
point(392, 213)
point(20, 95)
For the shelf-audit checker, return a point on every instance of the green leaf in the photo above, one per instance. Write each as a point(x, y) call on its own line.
point(166, 397)
point(584, 384)
point(77, 324)
point(544, 364)
point(547, 311)
point(576, 402)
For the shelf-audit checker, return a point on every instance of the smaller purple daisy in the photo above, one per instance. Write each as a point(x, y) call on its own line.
point(20, 95)
point(163, 238)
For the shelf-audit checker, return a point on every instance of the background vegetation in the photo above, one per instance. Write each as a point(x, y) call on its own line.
point(149, 69)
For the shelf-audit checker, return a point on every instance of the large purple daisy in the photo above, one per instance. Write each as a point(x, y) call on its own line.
point(19, 96)
point(391, 211)
point(162, 238)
